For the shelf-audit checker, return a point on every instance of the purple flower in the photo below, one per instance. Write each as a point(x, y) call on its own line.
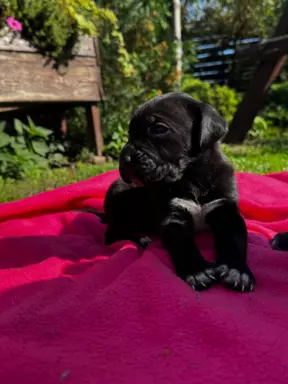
point(14, 24)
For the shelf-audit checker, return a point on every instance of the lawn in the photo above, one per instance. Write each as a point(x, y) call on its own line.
point(248, 158)
point(38, 182)
point(258, 158)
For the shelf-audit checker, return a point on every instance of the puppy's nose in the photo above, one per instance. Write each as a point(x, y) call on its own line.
point(127, 159)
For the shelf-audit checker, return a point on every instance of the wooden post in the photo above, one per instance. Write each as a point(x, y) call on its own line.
point(253, 99)
point(96, 125)
point(63, 128)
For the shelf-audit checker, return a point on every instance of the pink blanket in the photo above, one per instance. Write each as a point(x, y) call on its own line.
point(75, 311)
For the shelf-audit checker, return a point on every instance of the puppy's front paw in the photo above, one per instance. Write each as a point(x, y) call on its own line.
point(238, 280)
point(202, 280)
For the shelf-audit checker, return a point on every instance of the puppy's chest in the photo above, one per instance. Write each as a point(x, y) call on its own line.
point(194, 209)
point(196, 202)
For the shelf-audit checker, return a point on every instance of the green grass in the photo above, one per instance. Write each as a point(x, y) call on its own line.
point(37, 182)
point(258, 158)
point(265, 158)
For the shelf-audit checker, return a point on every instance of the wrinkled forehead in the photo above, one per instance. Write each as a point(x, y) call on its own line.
point(165, 110)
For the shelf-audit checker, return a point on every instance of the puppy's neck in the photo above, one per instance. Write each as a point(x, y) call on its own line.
point(207, 165)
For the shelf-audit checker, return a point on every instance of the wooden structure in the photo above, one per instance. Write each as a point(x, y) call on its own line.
point(272, 55)
point(29, 80)
point(218, 64)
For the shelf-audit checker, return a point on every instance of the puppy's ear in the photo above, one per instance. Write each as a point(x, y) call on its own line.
point(212, 127)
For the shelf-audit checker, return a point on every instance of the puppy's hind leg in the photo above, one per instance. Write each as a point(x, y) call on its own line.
point(128, 213)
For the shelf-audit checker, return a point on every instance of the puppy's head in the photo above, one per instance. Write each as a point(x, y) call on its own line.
point(165, 135)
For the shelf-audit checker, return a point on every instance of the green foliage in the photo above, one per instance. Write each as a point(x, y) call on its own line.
point(259, 128)
point(189, 58)
point(224, 99)
point(54, 26)
point(276, 112)
point(277, 116)
point(45, 25)
point(232, 20)
point(278, 94)
point(78, 135)
point(118, 139)
point(27, 146)
point(87, 15)
point(146, 30)
point(85, 156)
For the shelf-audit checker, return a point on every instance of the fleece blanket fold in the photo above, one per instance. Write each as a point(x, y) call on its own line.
point(75, 311)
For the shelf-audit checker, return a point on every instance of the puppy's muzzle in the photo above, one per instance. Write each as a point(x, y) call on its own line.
point(135, 164)
point(143, 167)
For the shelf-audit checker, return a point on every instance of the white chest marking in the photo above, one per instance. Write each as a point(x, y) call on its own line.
point(197, 211)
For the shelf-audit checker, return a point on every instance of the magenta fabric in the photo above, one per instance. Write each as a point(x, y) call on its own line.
point(73, 310)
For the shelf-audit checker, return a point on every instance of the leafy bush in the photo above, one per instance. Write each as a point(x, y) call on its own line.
point(224, 99)
point(54, 26)
point(78, 135)
point(27, 146)
point(45, 25)
point(276, 112)
point(118, 139)
point(277, 115)
point(278, 94)
point(259, 128)
point(86, 15)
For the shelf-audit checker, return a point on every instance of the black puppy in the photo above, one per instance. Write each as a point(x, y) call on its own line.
point(280, 241)
point(175, 181)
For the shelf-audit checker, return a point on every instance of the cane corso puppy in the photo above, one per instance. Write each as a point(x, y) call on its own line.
point(175, 182)
point(280, 241)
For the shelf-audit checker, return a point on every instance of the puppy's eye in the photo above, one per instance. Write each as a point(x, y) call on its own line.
point(158, 129)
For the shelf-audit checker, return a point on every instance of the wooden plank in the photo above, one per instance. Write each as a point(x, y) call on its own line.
point(218, 48)
point(215, 58)
point(253, 99)
point(271, 47)
point(9, 108)
point(213, 63)
point(212, 76)
point(28, 79)
point(9, 43)
point(98, 64)
point(218, 69)
point(86, 47)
